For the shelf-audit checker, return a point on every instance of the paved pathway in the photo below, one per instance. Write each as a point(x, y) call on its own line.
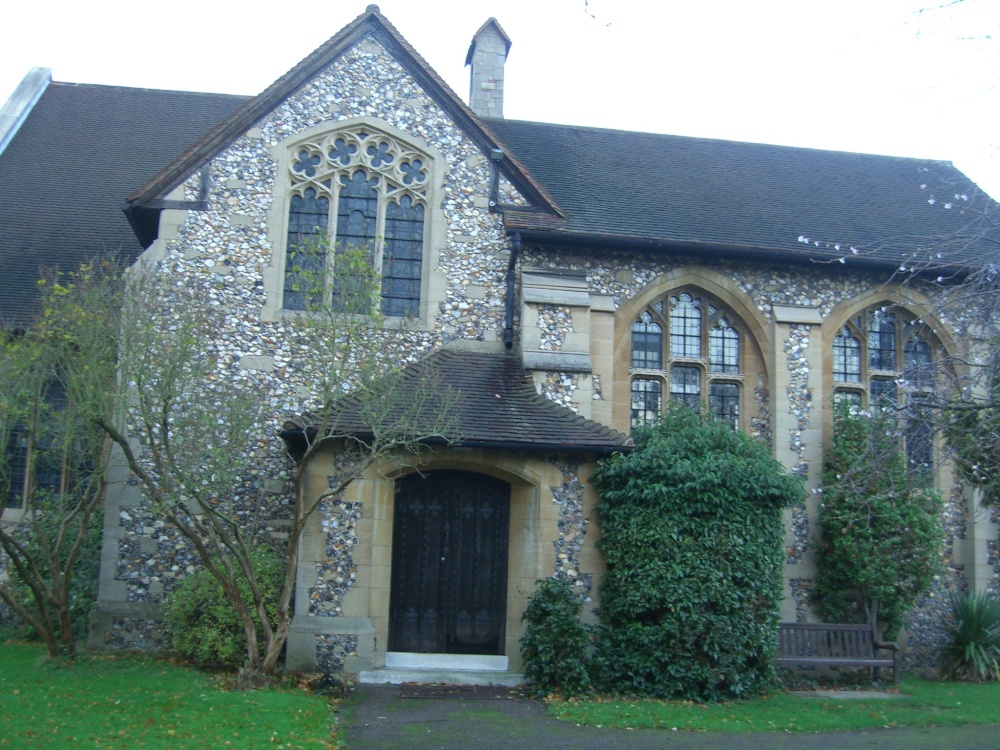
point(390, 718)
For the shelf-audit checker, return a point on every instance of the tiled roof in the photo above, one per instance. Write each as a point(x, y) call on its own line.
point(714, 196)
point(370, 23)
point(64, 176)
point(496, 407)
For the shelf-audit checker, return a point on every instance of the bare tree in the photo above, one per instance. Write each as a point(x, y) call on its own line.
point(188, 425)
point(53, 458)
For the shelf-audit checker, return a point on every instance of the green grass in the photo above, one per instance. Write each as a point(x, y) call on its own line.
point(142, 703)
point(924, 704)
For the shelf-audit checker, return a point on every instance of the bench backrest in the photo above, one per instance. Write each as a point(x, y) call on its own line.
point(825, 640)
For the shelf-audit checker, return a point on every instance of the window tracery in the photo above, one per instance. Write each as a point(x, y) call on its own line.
point(692, 349)
point(884, 358)
point(360, 189)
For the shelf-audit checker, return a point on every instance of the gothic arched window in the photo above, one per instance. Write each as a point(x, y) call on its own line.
point(356, 189)
point(883, 358)
point(687, 348)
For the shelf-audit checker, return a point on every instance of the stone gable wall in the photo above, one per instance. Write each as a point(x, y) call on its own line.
point(225, 252)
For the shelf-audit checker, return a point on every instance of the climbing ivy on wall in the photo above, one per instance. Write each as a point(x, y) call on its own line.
point(691, 527)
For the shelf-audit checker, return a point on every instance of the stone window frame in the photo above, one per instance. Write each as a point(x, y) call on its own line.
point(659, 382)
point(285, 155)
point(912, 321)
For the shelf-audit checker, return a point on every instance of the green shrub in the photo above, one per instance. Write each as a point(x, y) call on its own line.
point(972, 653)
point(204, 627)
point(692, 530)
point(881, 539)
point(555, 646)
point(37, 540)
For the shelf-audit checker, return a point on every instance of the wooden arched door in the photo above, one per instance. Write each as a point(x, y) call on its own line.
point(449, 563)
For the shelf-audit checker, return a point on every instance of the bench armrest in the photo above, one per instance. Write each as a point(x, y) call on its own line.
point(889, 645)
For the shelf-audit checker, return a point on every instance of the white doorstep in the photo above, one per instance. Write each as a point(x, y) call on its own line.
point(461, 662)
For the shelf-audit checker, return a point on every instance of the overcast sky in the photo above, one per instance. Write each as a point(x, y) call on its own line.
point(856, 75)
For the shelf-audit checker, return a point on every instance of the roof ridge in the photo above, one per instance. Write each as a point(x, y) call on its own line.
point(369, 23)
point(150, 89)
point(707, 140)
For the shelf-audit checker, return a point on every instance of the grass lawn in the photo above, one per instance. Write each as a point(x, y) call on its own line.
point(924, 703)
point(135, 702)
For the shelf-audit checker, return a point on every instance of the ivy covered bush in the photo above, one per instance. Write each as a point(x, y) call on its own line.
point(555, 646)
point(881, 529)
point(204, 627)
point(692, 530)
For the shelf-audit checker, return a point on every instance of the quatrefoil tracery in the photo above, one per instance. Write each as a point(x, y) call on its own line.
point(320, 163)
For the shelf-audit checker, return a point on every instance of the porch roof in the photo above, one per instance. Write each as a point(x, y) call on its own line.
point(496, 407)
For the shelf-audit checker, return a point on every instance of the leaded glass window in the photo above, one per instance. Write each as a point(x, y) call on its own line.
point(918, 360)
point(888, 354)
point(647, 343)
point(919, 443)
point(723, 348)
point(402, 257)
point(883, 392)
point(696, 349)
point(846, 358)
point(305, 252)
point(685, 385)
point(724, 402)
point(685, 327)
point(881, 341)
point(17, 467)
point(647, 401)
point(359, 189)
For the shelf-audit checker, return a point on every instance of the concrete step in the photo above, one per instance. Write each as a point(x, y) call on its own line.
point(440, 677)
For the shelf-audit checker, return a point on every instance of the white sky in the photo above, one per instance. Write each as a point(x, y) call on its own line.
point(853, 75)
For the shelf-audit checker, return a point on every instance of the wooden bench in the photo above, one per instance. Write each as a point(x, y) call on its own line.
point(802, 644)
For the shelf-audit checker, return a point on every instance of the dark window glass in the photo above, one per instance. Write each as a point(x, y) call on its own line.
point(919, 444)
point(647, 400)
point(402, 256)
point(17, 467)
point(357, 215)
point(881, 341)
point(724, 402)
point(723, 349)
point(846, 358)
point(919, 371)
point(685, 385)
point(882, 392)
point(305, 254)
point(685, 327)
point(647, 343)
